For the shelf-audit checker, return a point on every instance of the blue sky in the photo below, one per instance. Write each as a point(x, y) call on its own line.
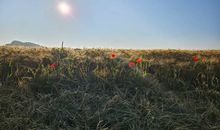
point(138, 24)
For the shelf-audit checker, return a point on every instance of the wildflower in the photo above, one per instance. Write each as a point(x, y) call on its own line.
point(139, 60)
point(195, 58)
point(131, 64)
point(113, 56)
point(53, 66)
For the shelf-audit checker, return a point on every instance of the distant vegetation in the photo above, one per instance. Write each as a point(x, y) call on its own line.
point(95, 89)
point(22, 44)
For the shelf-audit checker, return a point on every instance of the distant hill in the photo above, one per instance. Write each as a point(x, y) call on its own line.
point(22, 44)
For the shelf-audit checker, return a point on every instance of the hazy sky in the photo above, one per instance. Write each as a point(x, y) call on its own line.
point(184, 24)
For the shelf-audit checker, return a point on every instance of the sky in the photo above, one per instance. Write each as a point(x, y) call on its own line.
point(129, 24)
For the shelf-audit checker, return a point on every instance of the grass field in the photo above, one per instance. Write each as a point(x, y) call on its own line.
point(88, 89)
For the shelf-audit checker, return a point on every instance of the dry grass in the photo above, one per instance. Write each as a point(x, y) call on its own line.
point(90, 91)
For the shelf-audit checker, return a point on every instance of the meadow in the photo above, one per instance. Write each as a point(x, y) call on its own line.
point(109, 89)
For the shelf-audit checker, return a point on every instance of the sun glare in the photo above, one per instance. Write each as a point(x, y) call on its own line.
point(64, 8)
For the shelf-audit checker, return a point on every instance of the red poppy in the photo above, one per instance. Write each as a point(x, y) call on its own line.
point(195, 58)
point(53, 66)
point(113, 56)
point(139, 60)
point(131, 64)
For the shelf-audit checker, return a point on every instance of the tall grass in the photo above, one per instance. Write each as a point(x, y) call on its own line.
point(90, 91)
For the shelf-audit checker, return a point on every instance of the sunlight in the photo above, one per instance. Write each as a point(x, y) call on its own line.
point(64, 8)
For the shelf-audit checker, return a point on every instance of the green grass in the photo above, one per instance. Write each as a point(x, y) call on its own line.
point(90, 91)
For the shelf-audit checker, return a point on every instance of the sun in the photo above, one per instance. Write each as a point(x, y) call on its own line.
point(64, 8)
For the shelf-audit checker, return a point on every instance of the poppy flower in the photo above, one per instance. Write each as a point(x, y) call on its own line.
point(131, 64)
point(195, 58)
point(113, 56)
point(139, 60)
point(53, 66)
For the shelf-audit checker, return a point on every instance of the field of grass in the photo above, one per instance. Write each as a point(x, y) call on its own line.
point(89, 90)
